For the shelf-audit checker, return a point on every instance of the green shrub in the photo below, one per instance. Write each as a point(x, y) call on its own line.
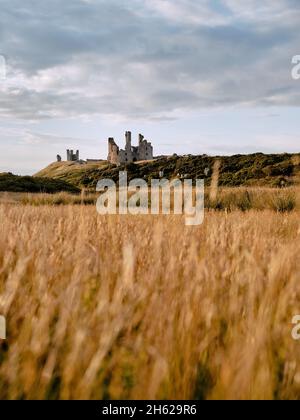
point(284, 204)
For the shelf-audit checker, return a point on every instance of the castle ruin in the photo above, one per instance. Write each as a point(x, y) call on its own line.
point(117, 156)
point(72, 157)
point(144, 150)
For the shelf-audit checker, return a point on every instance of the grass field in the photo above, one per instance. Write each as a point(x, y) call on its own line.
point(227, 199)
point(145, 307)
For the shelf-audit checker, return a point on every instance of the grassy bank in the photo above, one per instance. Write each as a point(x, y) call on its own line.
point(257, 169)
point(227, 199)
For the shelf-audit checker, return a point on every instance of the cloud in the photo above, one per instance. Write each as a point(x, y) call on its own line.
point(205, 12)
point(28, 136)
point(146, 59)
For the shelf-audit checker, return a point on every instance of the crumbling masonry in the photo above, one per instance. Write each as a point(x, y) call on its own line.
point(117, 156)
point(144, 150)
point(71, 156)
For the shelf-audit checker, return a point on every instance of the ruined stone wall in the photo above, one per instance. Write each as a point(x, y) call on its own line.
point(113, 151)
point(71, 156)
point(116, 156)
point(144, 150)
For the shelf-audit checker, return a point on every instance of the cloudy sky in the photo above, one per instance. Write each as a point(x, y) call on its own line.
point(194, 76)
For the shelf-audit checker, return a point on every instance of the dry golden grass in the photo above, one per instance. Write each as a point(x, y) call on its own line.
point(229, 199)
point(145, 307)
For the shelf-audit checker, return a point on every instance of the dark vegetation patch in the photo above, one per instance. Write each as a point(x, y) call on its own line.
point(15, 183)
point(239, 170)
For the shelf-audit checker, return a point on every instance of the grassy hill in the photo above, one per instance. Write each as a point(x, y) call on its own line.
point(71, 172)
point(15, 183)
point(239, 170)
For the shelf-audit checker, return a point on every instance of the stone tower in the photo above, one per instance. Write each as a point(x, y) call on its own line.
point(113, 151)
point(71, 156)
point(144, 150)
point(128, 149)
point(128, 141)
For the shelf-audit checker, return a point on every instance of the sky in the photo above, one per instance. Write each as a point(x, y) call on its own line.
point(193, 76)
